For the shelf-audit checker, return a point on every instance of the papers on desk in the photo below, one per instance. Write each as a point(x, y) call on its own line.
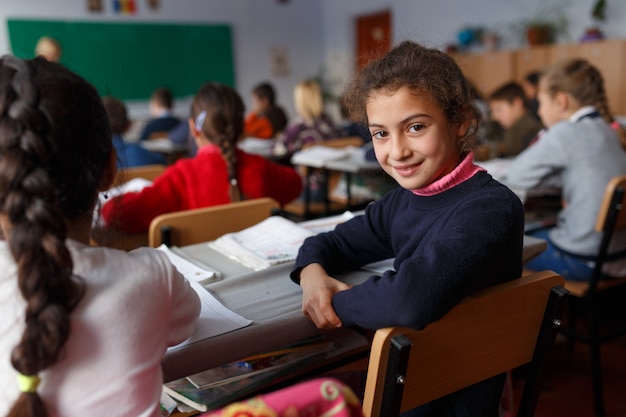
point(273, 241)
point(318, 156)
point(215, 319)
point(188, 269)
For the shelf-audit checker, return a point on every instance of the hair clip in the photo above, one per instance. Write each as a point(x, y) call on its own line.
point(199, 121)
point(28, 383)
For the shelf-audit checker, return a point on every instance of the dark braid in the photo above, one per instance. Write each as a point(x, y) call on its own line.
point(223, 124)
point(48, 129)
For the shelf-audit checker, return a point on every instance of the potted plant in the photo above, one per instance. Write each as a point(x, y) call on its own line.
point(598, 15)
point(543, 26)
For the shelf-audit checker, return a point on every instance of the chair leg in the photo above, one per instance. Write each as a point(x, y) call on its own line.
point(596, 362)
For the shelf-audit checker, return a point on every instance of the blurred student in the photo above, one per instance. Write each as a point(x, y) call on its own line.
point(266, 119)
point(84, 329)
point(128, 154)
point(508, 108)
point(582, 152)
point(219, 173)
point(49, 48)
point(312, 125)
point(450, 227)
point(530, 84)
point(161, 103)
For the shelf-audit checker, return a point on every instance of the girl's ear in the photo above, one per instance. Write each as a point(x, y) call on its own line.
point(563, 100)
point(192, 128)
point(463, 127)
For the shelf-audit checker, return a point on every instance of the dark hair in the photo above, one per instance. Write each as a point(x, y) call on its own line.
point(55, 145)
point(117, 114)
point(580, 79)
point(509, 92)
point(424, 71)
point(265, 90)
point(163, 96)
point(223, 124)
point(532, 78)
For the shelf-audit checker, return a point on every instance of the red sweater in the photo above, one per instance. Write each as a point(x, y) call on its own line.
point(201, 181)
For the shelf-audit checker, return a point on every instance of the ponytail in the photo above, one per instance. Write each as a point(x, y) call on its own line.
point(218, 112)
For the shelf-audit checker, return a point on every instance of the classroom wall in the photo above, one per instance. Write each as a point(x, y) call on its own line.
point(319, 33)
point(258, 26)
point(436, 23)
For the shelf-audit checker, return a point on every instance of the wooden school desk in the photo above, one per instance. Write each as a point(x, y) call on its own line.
point(268, 298)
point(352, 162)
point(172, 150)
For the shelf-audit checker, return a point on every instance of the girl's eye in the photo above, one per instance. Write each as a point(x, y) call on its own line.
point(416, 128)
point(379, 134)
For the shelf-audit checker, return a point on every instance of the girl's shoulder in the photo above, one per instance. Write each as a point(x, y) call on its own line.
point(142, 264)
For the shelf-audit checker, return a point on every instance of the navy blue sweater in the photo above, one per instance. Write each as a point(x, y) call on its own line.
point(446, 246)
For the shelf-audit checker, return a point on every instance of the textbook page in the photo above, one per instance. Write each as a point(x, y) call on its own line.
point(188, 269)
point(273, 241)
point(215, 319)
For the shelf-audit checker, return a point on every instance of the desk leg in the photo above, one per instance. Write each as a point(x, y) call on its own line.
point(307, 192)
point(325, 192)
point(348, 192)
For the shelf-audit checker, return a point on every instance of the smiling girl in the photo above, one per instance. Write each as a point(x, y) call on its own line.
point(451, 227)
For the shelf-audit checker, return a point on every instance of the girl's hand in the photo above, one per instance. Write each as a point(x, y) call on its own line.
point(318, 289)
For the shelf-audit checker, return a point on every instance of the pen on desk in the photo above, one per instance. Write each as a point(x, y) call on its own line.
point(178, 251)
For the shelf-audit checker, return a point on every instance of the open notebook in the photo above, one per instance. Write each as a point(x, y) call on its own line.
point(273, 241)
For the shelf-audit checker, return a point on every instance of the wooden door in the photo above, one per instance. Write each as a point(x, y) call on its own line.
point(373, 33)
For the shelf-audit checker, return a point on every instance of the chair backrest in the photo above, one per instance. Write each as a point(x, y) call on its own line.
point(337, 142)
point(200, 225)
point(148, 172)
point(492, 331)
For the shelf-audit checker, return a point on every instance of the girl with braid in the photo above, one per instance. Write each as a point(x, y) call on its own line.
point(220, 173)
point(84, 329)
point(581, 150)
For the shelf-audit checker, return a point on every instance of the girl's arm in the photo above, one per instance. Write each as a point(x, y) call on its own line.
point(318, 289)
point(133, 212)
point(541, 161)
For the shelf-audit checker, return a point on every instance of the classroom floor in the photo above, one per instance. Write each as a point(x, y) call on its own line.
point(567, 383)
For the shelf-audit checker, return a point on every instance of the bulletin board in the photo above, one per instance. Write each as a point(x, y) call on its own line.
point(130, 60)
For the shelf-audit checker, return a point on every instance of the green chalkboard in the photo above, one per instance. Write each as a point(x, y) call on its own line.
point(130, 60)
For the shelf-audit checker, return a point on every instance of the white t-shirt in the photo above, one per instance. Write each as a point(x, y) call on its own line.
point(136, 305)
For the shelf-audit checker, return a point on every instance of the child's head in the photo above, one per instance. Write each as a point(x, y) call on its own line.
point(508, 104)
point(161, 99)
point(48, 48)
point(419, 109)
point(217, 116)
point(530, 84)
point(308, 99)
point(117, 114)
point(264, 97)
point(55, 155)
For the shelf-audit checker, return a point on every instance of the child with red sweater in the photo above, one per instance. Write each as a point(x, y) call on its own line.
point(219, 173)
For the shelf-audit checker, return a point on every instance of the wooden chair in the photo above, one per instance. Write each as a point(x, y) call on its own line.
point(307, 209)
point(148, 172)
point(200, 225)
point(487, 334)
point(592, 295)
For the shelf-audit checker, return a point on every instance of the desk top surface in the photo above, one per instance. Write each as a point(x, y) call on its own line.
point(268, 298)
